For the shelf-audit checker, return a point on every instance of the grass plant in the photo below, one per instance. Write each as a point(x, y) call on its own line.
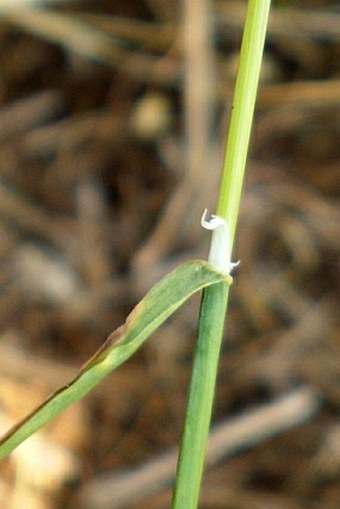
point(214, 300)
point(174, 289)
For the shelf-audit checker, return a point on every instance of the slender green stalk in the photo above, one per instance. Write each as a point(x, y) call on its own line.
point(242, 111)
point(215, 298)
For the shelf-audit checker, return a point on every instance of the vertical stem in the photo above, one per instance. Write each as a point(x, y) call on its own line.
point(242, 111)
point(214, 300)
point(201, 395)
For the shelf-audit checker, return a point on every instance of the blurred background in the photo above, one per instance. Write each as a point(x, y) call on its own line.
point(112, 120)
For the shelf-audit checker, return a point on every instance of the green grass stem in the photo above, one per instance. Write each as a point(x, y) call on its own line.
point(214, 299)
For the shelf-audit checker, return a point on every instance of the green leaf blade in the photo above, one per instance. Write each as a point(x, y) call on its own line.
point(159, 303)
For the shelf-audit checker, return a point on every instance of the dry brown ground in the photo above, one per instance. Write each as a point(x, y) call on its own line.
point(111, 121)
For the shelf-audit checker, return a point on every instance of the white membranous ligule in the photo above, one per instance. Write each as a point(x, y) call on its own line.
point(220, 250)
